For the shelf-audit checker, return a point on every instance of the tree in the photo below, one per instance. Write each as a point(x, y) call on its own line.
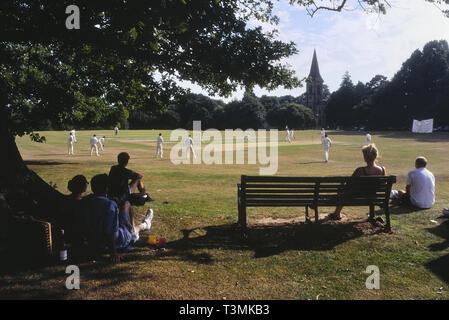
point(339, 109)
point(244, 114)
point(292, 115)
point(417, 91)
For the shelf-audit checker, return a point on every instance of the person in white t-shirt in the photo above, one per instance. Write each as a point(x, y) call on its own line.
point(189, 144)
point(93, 145)
point(327, 142)
point(70, 143)
point(101, 142)
point(420, 187)
point(116, 130)
point(73, 134)
point(368, 138)
point(160, 141)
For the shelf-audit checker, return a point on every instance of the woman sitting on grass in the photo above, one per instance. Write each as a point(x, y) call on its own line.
point(370, 154)
point(70, 211)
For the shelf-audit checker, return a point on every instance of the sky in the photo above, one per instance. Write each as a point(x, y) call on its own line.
point(364, 44)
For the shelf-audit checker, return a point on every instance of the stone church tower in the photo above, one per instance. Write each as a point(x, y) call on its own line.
point(314, 93)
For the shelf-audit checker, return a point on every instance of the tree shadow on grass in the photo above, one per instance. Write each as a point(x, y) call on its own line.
point(310, 162)
point(43, 279)
point(47, 281)
point(440, 266)
point(46, 163)
point(268, 240)
point(420, 137)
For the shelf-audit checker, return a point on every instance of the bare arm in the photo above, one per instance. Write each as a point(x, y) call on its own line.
point(407, 189)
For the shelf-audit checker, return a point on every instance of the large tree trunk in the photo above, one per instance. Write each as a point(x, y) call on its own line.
point(22, 191)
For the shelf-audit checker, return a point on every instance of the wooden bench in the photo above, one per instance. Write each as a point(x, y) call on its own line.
point(314, 192)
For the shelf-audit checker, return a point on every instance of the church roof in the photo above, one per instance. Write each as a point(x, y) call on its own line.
point(314, 69)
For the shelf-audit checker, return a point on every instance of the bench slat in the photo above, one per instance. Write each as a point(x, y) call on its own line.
point(278, 203)
point(310, 190)
point(312, 179)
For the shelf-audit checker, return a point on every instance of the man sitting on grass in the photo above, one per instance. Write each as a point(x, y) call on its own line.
point(119, 180)
point(420, 188)
point(109, 228)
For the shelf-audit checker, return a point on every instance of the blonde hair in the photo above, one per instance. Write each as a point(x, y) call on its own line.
point(370, 152)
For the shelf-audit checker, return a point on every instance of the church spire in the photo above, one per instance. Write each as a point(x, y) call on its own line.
point(314, 69)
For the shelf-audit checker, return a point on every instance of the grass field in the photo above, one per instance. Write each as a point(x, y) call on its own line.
point(282, 258)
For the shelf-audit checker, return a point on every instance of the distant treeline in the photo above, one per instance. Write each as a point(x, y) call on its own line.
point(419, 90)
point(250, 112)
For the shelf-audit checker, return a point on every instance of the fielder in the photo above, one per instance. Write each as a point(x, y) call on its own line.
point(73, 134)
point(116, 130)
point(101, 142)
point(189, 143)
point(292, 134)
point(70, 143)
point(287, 134)
point(160, 140)
point(93, 145)
point(323, 134)
point(326, 143)
point(368, 138)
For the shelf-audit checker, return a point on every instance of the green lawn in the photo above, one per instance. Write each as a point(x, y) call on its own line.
point(282, 258)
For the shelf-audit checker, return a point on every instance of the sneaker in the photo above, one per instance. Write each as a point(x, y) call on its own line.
point(146, 223)
point(147, 198)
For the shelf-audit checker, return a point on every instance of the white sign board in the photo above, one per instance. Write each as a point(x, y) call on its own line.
point(424, 126)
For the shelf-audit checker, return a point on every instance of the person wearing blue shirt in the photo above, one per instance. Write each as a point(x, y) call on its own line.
point(107, 226)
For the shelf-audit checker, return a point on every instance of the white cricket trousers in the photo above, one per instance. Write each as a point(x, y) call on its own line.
point(326, 154)
point(92, 148)
point(101, 146)
point(193, 152)
point(159, 151)
point(70, 148)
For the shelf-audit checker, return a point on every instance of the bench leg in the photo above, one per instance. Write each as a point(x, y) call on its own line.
point(242, 217)
point(371, 212)
point(307, 214)
point(316, 214)
point(387, 217)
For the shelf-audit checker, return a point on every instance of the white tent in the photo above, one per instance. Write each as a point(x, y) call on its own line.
point(424, 126)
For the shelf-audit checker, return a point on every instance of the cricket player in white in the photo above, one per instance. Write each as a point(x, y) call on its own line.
point(101, 142)
point(189, 143)
point(326, 143)
point(368, 138)
point(73, 134)
point(160, 140)
point(116, 130)
point(287, 134)
point(323, 134)
point(93, 145)
point(70, 143)
point(292, 134)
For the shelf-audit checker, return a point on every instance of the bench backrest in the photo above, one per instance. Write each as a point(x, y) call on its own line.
point(274, 191)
